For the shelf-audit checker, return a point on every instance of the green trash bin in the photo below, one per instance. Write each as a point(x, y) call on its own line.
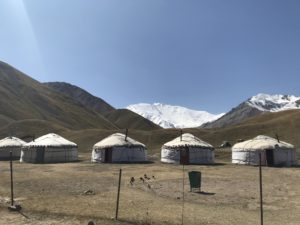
point(195, 180)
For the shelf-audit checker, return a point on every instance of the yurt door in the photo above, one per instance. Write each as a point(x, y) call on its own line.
point(184, 156)
point(270, 157)
point(108, 155)
point(40, 154)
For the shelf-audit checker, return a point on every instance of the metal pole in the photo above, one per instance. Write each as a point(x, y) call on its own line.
point(260, 192)
point(11, 180)
point(182, 210)
point(118, 197)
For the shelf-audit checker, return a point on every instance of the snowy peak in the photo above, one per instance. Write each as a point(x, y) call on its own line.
point(254, 106)
point(168, 116)
point(274, 103)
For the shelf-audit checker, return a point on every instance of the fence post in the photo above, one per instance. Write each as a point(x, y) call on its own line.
point(182, 209)
point(11, 181)
point(260, 192)
point(118, 196)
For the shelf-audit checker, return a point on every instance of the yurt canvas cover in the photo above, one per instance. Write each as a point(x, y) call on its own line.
point(273, 152)
point(50, 148)
point(12, 144)
point(187, 149)
point(119, 148)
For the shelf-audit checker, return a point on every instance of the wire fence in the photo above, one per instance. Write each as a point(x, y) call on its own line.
point(149, 193)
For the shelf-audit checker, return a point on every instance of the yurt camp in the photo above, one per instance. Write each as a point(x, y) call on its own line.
point(187, 149)
point(274, 152)
point(119, 148)
point(11, 144)
point(50, 148)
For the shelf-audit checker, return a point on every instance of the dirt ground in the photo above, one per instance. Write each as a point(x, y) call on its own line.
point(76, 193)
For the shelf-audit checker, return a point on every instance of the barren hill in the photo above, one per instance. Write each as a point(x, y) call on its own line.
point(26, 104)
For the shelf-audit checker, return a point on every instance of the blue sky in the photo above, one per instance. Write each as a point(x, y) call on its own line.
point(206, 55)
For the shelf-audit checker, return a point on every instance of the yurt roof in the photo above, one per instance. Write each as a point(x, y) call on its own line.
point(117, 140)
point(11, 142)
point(188, 140)
point(51, 140)
point(261, 142)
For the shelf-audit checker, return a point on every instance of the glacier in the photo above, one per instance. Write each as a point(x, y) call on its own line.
point(169, 116)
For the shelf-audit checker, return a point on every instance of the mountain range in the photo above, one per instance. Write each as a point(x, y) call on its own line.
point(31, 108)
point(168, 116)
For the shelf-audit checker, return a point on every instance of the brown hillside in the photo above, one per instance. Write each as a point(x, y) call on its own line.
point(124, 118)
point(286, 124)
point(121, 118)
point(83, 97)
point(30, 127)
point(22, 97)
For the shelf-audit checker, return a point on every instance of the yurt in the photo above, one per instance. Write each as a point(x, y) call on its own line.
point(119, 148)
point(273, 152)
point(187, 149)
point(50, 148)
point(12, 144)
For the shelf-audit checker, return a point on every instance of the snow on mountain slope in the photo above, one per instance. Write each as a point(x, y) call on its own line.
point(274, 103)
point(168, 116)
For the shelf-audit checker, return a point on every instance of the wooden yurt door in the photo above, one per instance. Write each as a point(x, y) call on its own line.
point(40, 155)
point(184, 156)
point(108, 155)
point(270, 157)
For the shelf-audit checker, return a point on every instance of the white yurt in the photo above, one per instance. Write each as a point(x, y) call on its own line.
point(119, 148)
point(50, 148)
point(187, 149)
point(12, 144)
point(274, 152)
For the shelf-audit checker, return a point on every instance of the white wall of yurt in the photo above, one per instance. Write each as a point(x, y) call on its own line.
point(120, 148)
point(273, 152)
point(200, 152)
point(11, 144)
point(50, 148)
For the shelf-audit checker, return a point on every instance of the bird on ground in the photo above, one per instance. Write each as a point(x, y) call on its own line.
point(132, 180)
point(146, 177)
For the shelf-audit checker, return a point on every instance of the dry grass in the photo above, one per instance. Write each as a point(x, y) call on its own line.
point(53, 194)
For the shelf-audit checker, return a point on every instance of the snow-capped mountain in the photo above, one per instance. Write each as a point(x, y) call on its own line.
point(274, 103)
point(256, 105)
point(168, 116)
